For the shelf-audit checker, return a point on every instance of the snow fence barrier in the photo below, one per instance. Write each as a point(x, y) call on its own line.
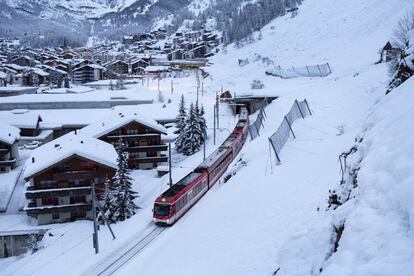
point(280, 137)
point(319, 70)
point(254, 129)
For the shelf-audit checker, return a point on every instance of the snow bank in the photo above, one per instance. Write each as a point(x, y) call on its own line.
point(378, 236)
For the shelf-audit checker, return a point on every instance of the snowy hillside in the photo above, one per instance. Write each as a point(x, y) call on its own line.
point(77, 18)
point(271, 219)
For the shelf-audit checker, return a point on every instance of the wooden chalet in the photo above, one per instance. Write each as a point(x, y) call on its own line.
point(27, 122)
point(117, 67)
point(9, 136)
point(24, 61)
point(138, 66)
point(61, 174)
point(143, 137)
point(388, 52)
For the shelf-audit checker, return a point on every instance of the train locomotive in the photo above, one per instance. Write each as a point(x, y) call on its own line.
point(180, 197)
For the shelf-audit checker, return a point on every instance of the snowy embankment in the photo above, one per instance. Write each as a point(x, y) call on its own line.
point(378, 219)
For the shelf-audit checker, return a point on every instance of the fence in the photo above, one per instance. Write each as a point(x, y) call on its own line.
point(280, 137)
point(254, 129)
point(319, 70)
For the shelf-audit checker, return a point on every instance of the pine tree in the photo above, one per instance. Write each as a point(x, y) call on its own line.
point(203, 124)
point(192, 134)
point(123, 198)
point(108, 207)
point(67, 82)
point(59, 82)
point(181, 117)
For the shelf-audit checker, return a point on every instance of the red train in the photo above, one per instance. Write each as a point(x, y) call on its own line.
point(180, 197)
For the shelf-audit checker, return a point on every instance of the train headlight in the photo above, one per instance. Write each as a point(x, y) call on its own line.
point(163, 199)
point(168, 220)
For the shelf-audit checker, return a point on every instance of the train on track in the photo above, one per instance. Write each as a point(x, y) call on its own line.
point(180, 197)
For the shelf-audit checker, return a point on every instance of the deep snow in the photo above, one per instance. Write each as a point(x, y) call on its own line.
point(266, 216)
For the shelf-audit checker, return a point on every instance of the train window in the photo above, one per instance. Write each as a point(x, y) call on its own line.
point(162, 209)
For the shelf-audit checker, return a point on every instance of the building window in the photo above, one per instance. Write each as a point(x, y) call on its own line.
point(50, 201)
point(55, 215)
point(47, 184)
point(77, 199)
point(151, 154)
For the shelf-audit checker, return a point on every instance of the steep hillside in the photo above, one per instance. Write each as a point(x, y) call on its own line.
point(108, 18)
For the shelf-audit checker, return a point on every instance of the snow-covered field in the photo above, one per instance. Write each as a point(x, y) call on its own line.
point(270, 216)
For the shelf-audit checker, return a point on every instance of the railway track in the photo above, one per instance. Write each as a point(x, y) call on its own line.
point(110, 266)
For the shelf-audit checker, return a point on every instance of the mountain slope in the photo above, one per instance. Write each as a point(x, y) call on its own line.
point(73, 18)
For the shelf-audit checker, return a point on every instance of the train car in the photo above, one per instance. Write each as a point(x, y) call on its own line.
point(179, 198)
point(216, 164)
point(235, 141)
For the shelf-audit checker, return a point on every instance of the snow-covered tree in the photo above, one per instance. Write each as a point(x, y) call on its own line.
point(181, 117)
point(33, 243)
point(108, 207)
point(67, 82)
point(202, 122)
point(123, 197)
point(191, 139)
point(401, 66)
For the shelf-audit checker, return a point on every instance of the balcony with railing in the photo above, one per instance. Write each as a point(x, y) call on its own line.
point(32, 209)
point(7, 163)
point(148, 148)
point(155, 159)
point(32, 193)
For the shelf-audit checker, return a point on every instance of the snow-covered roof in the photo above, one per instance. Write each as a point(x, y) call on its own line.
point(80, 89)
point(21, 120)
point(40, 72)
point(94, 66)
point(156, 68)
point(9, 134)
point(15, 66)
point(70, 145)
point(46, 67)
point(117, 120)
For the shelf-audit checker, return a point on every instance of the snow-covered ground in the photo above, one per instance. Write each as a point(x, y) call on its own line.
point(270, 216)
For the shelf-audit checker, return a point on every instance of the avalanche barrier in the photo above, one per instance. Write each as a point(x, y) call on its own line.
point(319, 70)
point(280, 137)
point(254, 129)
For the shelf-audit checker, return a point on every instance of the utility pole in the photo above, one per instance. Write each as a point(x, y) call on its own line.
point(214, 128)
point(204, 148)
point(197, 94)
point(172, 87)
point(95, 224)
point(158, 82)
point(202, 88)
point(169, 163)
point(104, 218)
point(218, 111)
